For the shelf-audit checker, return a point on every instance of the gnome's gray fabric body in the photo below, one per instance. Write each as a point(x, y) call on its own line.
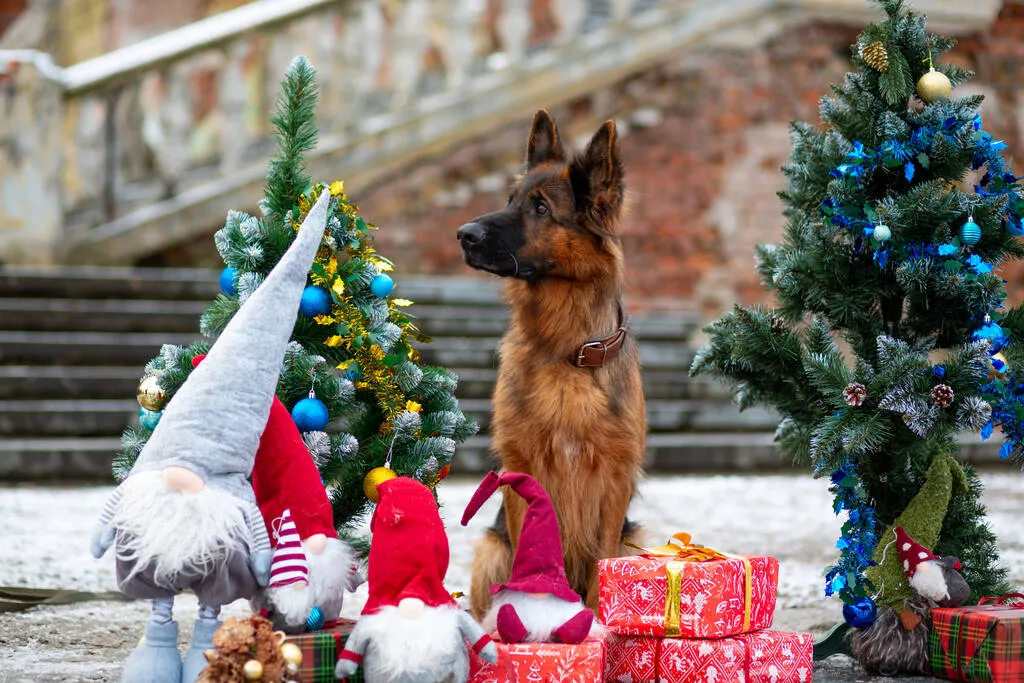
point(186, 516)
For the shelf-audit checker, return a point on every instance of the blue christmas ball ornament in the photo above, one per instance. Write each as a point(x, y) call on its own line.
point(310, 415)
point(970, 232)
point(315, 620)
point(315, 301)
point(149, 418)
point(382, 285)
point(227, 280)
point(860, 614)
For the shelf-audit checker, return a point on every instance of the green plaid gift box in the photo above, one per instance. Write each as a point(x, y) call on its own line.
point(983, 643)
point(320, 651)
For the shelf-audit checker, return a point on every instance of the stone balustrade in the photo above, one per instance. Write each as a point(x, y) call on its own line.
point(121, 156)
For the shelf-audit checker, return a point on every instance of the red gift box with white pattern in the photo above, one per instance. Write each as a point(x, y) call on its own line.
point(580, 663)
point(779, 657)
point(640, 659)
point(712, 595)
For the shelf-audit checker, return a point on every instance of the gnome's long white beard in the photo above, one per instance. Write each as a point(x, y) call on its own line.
point(177, 532)
point(404, 646)
point(540, 616)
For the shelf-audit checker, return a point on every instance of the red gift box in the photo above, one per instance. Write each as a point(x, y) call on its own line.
point(580, 663)
point(981, 643)
point(694, 593)
point(779, 657)
point(640, 659)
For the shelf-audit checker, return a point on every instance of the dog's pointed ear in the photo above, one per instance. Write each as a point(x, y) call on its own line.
point(597, 174)
point(544, 144)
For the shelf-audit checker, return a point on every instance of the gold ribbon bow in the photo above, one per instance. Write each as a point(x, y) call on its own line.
point(680, 548)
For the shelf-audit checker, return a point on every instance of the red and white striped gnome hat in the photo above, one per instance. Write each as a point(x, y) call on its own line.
point(289, 563)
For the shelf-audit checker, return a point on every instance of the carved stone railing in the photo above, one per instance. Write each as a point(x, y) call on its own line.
point(118, 157)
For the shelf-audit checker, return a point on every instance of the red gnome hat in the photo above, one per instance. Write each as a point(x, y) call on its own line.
point(911, 552)
point(539, 565)
point(286, 478)
point(409, 550)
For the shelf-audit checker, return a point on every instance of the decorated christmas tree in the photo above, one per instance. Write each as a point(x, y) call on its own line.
point(351, 378)
point(890, 339)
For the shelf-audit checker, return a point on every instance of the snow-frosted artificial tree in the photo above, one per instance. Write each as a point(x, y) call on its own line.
point(890, 337)
point(351, 363)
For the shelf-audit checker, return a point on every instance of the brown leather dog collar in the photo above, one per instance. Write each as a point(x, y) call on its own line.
point(597, 352)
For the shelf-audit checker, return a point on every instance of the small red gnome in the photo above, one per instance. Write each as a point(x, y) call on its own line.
point(291, 497)
point(536, 604)
point(411, 629)
point(933, 577)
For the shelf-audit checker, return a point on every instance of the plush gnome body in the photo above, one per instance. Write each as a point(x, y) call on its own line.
point(186, 517)
point(536, 604)
point(932, 577)
point(312, 568)
point(411, 630)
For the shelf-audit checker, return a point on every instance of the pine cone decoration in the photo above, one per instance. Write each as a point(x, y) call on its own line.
point(942, 395)
point(875, 55)
point(854, 394)
point(242, 642)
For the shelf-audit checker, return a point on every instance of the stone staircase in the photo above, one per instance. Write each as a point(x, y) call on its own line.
point(73, 343)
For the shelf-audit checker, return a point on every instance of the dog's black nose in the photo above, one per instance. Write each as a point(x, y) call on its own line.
point(470, 233)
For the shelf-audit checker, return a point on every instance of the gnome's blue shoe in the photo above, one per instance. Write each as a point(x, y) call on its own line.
point(202, 640)
point(156, 658)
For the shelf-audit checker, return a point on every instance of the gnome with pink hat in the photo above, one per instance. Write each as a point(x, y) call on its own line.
point(411, 629)
point(933, 577)
point(536, 604)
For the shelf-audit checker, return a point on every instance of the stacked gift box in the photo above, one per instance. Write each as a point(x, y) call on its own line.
point(980, 643)
point(685, 613)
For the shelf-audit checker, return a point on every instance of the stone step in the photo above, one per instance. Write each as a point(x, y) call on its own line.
point(27, 382)
point(57, 418)
point(658, 384)
point(85, 348)
point(75, 458)
point(481, 352)
point(668, 416)
point(85, 282)
point(95, 315)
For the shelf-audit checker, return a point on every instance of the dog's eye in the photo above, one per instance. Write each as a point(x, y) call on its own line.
point(542, 209)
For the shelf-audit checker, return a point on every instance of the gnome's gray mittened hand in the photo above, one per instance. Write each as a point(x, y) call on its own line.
point(102, 539)
point(345, 668)
point(490, 653)
point(259, 563)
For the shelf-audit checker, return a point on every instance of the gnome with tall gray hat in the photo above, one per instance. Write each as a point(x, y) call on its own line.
point(186, 517)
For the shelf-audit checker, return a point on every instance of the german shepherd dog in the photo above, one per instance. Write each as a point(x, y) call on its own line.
point(568, 404)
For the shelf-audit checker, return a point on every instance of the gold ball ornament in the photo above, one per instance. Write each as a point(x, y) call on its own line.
point(933, 86)
point(253, 670)
point(150, 394)
point(374, 478)
point(993, 373)
point(292, 654)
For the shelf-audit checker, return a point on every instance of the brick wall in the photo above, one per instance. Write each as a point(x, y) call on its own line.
point(704, 138)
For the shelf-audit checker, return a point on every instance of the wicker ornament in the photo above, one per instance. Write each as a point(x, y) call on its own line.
point(854, 394)
point(942, 395)
point(875, 55)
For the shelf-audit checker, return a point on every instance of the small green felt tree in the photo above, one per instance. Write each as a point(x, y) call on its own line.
point(883, 347)
point(352, 342)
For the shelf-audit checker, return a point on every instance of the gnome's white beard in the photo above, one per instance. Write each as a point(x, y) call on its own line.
point(176, 532)
point(331, 573)
point(540, 616)
point(404, 646)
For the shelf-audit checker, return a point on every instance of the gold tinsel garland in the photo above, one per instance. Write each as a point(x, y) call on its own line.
point(350, 322)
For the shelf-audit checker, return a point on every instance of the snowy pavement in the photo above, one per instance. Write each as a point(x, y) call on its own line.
point(44, 536)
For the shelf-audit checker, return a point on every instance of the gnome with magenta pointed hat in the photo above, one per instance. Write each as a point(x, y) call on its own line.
point(411, 629)
point(536, 604)
point(186, 517)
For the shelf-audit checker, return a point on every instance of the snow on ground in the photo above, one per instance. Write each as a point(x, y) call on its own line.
point(44, 533)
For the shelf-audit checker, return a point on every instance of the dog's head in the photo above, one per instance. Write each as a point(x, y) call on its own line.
point(562, 215)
